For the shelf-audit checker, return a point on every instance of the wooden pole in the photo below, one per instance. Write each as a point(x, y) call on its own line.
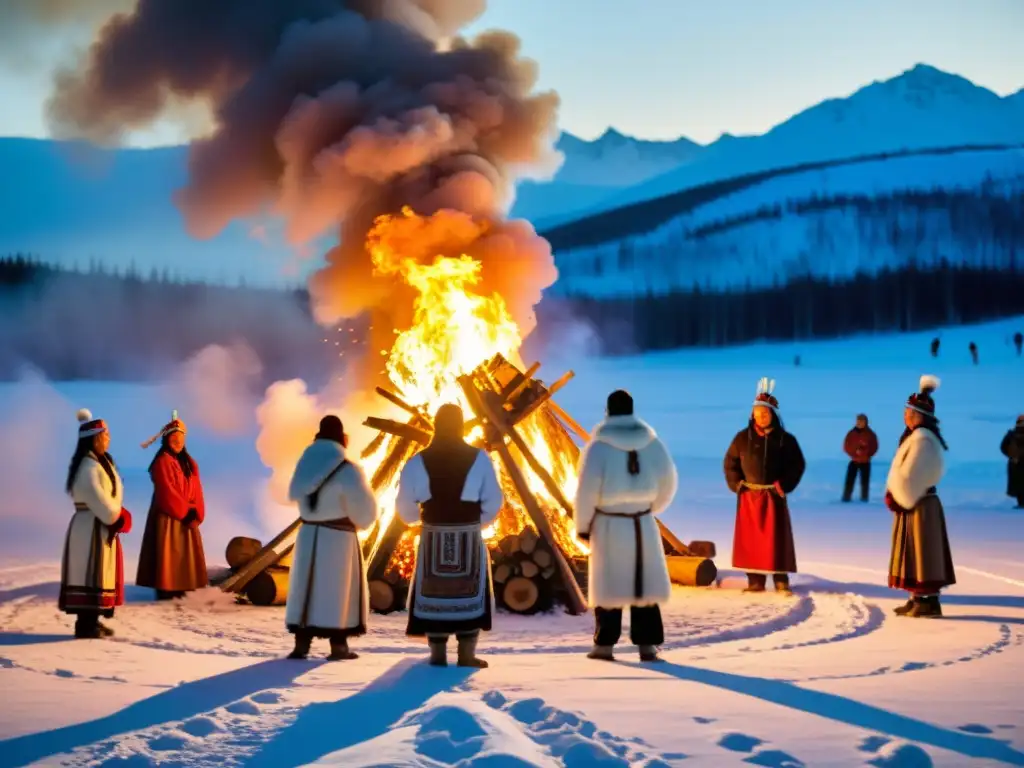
point(568, 420)
point(391, 397)
point(398, 428)
point(577, 603)
point(268, 556)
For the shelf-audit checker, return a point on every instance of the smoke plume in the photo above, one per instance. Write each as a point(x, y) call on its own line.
point(330, 113)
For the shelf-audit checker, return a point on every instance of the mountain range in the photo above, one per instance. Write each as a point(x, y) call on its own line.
point(115, 205)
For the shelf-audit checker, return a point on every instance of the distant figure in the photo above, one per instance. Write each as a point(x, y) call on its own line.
point(452, 488)
point(626, 478)
point(861, 444)
point(1018, 340)
point(171, 559)
point(763, 465)
point(796, 361)
point(328, 596)
point(1013, 449)
point(935, 347)
point(974, 352)
point(920, 561)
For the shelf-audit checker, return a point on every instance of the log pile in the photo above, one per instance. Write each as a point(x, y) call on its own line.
point(267, 587)
point(523, 573)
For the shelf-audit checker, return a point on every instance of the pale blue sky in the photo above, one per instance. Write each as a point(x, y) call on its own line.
point(664, 68)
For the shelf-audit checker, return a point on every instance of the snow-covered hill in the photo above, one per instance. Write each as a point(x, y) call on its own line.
point(782, 227)
point(923, 108)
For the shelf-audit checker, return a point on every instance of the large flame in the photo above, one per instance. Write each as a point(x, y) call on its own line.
point(456, 328)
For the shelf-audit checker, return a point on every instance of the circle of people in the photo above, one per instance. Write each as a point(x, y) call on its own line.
point(450, 488)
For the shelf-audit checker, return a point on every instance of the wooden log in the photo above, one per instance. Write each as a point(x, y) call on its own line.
point(520, 595)
point(567, 420)
point(391, 397)
point(528, 540)
point(528, 568)
point(240, 550)
point(544, 397)
point(576, 603)
point(519, 382)
point(542, 557)
point(278, 547)
point(269, 587)
point(374, 445)
point(691, 571)
point(286, 559)
point(501, 573)
point(398, 429)
point(674, 541)
point(702, 549)
point(385, 597)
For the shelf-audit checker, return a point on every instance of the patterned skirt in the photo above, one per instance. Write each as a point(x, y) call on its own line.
point(921, 560)
point(451, 590)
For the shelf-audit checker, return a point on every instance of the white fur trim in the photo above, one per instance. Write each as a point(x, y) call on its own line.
point(84, 415)
point(930, 381)
point(917, 466)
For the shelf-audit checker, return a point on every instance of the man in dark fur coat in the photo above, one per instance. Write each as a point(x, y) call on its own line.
point(1013, 449)
point(452, 488)
point(764, 464)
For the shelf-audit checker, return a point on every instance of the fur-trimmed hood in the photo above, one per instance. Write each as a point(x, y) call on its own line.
point(626, 433)
point(317, 461)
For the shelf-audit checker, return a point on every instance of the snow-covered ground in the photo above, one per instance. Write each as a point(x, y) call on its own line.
point(828, 677)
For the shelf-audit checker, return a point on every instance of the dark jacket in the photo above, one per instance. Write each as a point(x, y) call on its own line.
point(861, 444)
point(1013, 448)
point(764, 459)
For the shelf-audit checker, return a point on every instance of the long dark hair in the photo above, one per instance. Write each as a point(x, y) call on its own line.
point(931, 424)
point(83, 449)
point(182, 457)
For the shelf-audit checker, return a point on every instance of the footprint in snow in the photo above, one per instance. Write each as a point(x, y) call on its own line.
point(200, 727)
point(975, 728)
point(267, 697)
point(739, 742)
point(873, 743)
point(167, 743)
point(901, 755)
point(243, 707)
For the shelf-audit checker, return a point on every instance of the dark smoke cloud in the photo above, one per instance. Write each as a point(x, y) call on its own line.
point(330, 113)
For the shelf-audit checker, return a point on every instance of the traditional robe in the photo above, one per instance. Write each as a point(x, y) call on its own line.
point(92, 576)
point(172, 557)
point(616, 509)
point(453, 490)
point(763, 536)
point(328, 595)
point(921, 560)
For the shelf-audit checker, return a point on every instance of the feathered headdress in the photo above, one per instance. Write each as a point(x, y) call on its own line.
point(174, 425)
point(764, 396)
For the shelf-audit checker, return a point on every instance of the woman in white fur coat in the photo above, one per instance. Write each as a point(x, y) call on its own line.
point(328, 596)
point(626, 477)
point(92, 569)
point(921, 561)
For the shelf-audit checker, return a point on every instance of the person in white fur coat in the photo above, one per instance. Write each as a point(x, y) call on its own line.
point(626, 477)
point(921, 561)
point(328, 596)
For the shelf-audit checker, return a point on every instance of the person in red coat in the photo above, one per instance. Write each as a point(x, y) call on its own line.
point(764, 464)
point(861, 444)
point(172, 560)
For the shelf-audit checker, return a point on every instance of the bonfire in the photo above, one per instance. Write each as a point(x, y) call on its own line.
point(463, 347)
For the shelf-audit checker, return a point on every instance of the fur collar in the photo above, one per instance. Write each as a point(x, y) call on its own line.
point(626, 433)
point(317, 461)
point(924, 434)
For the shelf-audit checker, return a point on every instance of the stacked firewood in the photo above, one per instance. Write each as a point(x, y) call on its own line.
point(523, 570)
point(269, 586)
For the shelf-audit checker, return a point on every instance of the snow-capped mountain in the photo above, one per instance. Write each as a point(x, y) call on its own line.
point(922, 108)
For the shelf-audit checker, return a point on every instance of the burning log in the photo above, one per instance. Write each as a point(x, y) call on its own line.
point(398, 429)
point(576, 604)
